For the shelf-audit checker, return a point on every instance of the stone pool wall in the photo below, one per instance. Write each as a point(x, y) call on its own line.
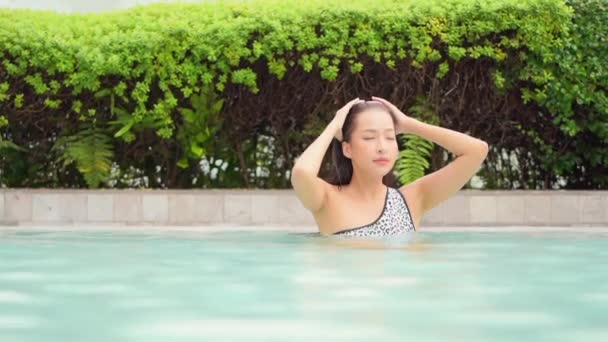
point(281, 207)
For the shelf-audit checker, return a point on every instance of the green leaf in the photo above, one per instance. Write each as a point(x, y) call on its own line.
point(91, 151)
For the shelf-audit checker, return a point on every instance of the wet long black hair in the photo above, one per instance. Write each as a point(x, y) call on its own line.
point(341, 169)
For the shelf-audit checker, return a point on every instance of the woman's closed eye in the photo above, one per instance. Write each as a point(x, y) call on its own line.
point(371, 138)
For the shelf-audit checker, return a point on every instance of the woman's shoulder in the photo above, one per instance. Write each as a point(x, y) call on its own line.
point(411, 195)
point(326, 216)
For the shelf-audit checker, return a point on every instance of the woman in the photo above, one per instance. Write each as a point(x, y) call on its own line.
point(359, 197)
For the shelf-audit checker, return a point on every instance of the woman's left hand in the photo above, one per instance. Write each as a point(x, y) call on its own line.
point(403, 121)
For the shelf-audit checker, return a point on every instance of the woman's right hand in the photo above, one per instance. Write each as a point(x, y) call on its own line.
point(340, 117)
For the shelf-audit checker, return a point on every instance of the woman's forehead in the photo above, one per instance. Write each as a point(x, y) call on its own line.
point(374, 119)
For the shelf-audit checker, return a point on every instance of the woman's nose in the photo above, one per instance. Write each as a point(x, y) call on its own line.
point(381, 145)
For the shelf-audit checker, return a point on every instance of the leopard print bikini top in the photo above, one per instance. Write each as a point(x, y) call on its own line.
point(394, 219)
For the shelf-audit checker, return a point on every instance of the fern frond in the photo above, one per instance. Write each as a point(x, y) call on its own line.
point(91, 150)
point(414, 158)
point(9, 145)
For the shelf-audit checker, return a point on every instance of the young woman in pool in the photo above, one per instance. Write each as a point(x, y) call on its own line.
point(360, 198)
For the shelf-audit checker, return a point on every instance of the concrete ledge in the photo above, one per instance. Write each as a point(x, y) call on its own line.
point(184, 208)
point(297, 229)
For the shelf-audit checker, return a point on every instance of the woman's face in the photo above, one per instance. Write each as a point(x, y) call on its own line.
point(373, 144)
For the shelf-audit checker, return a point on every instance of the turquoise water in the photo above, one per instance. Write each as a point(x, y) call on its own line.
point(277, 286)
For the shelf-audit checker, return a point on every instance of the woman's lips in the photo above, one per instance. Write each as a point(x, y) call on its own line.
point(381, 161)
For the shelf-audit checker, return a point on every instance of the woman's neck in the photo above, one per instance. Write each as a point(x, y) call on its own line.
point(367, 188)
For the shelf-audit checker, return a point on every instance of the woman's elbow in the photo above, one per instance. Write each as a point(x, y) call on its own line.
point(483, 149)
point(297, 174)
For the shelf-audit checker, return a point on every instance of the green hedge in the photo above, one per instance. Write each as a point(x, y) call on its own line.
point(227, 94)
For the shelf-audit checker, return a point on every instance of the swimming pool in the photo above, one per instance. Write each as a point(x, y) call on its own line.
point(277, 286)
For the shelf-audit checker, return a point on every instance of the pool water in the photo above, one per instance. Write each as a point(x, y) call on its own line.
point(279, 286)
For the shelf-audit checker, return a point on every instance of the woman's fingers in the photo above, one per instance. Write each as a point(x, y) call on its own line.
point(341, 115)
point(379, 99)
point(396, 112)
point(390, 106)
point(347, 106)
point(352, 103)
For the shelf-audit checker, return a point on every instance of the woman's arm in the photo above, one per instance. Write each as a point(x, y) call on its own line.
point(436, 187)
point(310, 189)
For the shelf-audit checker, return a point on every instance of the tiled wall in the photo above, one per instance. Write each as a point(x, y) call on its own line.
point(529, 208)
point(281, 207)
